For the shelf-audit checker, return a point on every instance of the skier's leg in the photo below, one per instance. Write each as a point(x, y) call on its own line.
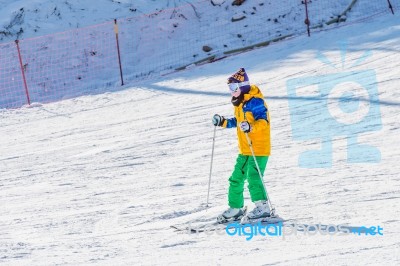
point(236, 182)
point(235, 194)
point(256, 187)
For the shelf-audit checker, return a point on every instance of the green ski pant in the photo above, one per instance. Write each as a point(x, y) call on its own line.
point(245, 168)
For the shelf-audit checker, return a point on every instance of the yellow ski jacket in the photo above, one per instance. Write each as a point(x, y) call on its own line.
point(254, 110)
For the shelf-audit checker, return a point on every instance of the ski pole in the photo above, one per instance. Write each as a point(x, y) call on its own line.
point(259, 172)
point(212, 157)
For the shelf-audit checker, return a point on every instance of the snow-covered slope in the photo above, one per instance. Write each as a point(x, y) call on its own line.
point(100, 179)
point(23, 19)
point(40, 17)
point(71, 63)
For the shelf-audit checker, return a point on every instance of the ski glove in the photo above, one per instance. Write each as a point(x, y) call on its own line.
point(245, 126)
point(218, 120)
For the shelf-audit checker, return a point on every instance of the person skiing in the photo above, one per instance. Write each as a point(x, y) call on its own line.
point(251, 118)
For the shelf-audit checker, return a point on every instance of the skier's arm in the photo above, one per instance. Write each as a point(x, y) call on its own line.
point(221, 121)
point(230, 122)
point(260, 114)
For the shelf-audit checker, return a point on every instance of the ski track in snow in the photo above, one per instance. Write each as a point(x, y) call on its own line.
point(102, 178)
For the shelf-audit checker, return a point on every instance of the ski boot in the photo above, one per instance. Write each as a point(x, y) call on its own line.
point(231, 214)
point(261, 210)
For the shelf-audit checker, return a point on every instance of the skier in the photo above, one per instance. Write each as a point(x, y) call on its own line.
point(252, 118)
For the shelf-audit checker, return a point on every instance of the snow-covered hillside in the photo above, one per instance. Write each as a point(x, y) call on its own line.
point(40, 17)
point(23, 19)
point(176, 36)
point(100, 179)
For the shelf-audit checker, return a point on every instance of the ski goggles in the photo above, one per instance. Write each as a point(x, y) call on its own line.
point(235, 88)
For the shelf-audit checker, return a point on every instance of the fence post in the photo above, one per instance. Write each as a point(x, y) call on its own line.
point(307, 21)
point(119, 54)
point(390, 6)
point(23, 72)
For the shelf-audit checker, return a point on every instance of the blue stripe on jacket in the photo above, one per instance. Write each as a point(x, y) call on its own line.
point(257, 108)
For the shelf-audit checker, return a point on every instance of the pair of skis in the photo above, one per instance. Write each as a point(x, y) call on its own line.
point(198, 226)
